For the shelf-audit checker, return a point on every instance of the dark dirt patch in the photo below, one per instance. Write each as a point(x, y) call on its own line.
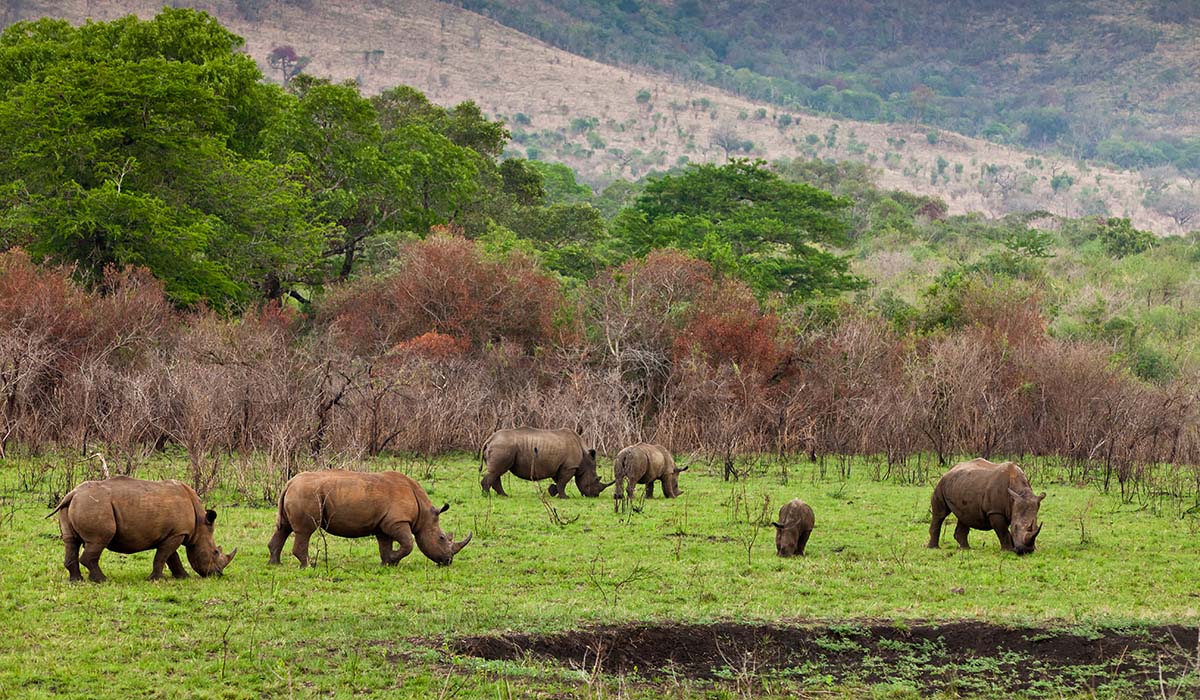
point(970, 658)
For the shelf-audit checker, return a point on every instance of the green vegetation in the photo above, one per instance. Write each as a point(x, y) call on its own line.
point(1027, 73)
point(349, 626)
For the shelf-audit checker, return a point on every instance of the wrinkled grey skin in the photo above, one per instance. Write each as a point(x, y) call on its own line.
point(389, 506)
point(644, 463)
point(795, 524)
point(535, 454)
point(987, 496)
point(129, 515)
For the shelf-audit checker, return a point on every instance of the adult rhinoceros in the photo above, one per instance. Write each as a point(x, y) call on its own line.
point(987, 496)
point(535, 454)
point(644, 463)
point(387, 505)
point(130, 515)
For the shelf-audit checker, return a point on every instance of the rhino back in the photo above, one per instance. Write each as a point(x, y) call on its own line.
point(631, 463)
point(537, 453)
point(136, 514)
point(973, 490)
point(796, 513)
point(350, 504)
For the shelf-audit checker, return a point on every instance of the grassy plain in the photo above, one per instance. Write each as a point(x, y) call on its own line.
point(352, 628)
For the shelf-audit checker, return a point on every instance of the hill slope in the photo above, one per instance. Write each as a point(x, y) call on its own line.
point(609, 122)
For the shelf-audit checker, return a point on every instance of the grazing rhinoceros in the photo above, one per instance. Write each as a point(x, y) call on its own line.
point(388, 505)
point(535, 454)
point(795, 524)
point(131, 515)
point(644, 463)
point(987, 496)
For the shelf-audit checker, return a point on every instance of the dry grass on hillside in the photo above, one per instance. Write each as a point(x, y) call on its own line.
point(454, 55)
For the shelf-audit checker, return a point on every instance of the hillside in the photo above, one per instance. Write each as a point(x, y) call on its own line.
point(609, 122)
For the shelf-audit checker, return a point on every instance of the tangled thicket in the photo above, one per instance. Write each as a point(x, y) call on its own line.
point(451, 345)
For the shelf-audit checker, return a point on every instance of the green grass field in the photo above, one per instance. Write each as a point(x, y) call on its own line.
point(352, 628)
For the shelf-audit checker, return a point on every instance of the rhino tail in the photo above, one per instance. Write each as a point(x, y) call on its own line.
point(66, 500)
point(281, 515)
point(483, 454)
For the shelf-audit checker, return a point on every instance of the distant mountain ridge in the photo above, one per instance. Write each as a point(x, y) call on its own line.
point(607, 121)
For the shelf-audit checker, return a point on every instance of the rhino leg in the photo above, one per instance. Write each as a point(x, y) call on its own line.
point(163, 553)
point(999, 523)
point(491, 481)
point(275, 546)
point(300, 547)
point(402, 535)
point(650, 490)
point(176, 566)
point(91, 559)
point(560, 484)
point(960, 535)
point(71, 560)
point(800, 543)
point(940, 513)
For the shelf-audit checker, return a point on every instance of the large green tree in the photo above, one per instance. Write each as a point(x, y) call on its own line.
point(129, 142)
point(746, 221)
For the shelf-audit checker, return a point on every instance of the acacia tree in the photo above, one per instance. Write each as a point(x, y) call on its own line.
point(746, 221)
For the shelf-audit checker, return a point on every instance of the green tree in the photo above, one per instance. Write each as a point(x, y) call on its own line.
point(128, 142)
point(747, 221)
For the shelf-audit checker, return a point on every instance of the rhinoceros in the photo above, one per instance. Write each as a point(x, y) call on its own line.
point(644, 463)
point(388, 505)
point(987, 496)
point(535, 454)
point(795, 524)
point(130, 515)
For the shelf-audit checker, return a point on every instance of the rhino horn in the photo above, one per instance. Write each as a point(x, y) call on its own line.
point(680, 470)
point(606, 485)
point(777, 525)
point(454, 548)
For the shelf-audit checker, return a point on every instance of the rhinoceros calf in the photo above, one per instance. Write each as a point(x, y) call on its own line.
point(387, 505)
point(132, 515)
point(987, 496)
point(644, 463)
point(795, 524)
point(534, 454)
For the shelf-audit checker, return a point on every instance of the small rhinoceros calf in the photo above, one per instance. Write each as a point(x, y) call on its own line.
point(795, 524)
point(987, 496)
point(130, 515)
point(644, 463)
point(387, 505)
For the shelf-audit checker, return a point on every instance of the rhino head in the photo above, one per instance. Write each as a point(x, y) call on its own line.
point(586, 477)
point(1023, 525)
point(437, 544)
point(787, 539)
point(206, 558)
point(671, 481)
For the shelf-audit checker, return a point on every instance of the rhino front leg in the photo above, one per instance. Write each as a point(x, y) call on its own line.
point(402, 535)
point(164, 552)
point(961, 531)
point(71, 560)
point(560, 483)
point(176, 566)
point(91, 559)
point(999, 523)
point(802, 542)
point(650, 490)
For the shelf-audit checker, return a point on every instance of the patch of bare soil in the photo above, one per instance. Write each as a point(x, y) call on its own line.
point(969, 657)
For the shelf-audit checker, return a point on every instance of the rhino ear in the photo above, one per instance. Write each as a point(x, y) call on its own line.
point(210, 516)
point(445, 507)
point(680, 470)
point(592, 452)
